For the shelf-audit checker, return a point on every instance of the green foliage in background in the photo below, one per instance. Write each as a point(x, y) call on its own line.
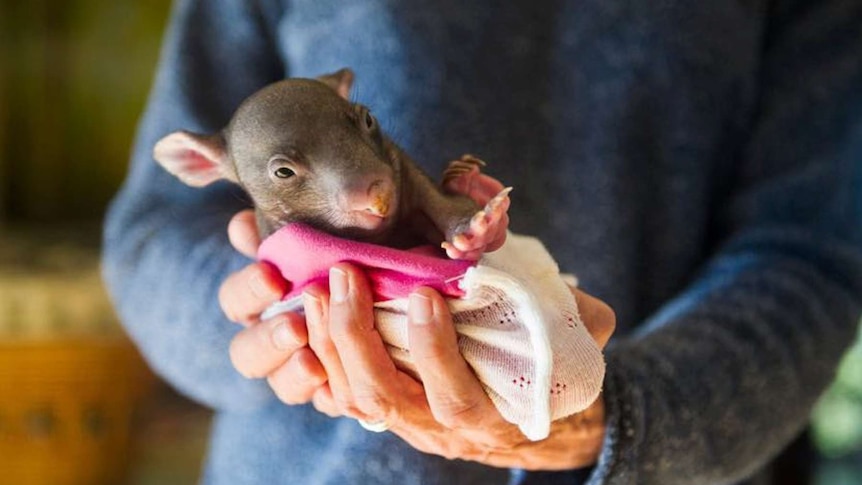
point(837, 419)
point(73, 80)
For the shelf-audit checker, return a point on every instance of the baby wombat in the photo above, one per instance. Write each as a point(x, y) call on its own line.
point(305, 153)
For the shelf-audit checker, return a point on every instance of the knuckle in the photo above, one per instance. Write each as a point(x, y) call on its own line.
point(373, 404)
point(282, 334)
point(473, 453)
point(290, 384)
point(345, 406)
point(308, 368)
point(242, 355)
point(324, 404)
point(242, 232)
point(432, 353)
point(283, 393)
point(452, 453)
point(238, 356)
point(322, 346)
point(289, 399)
point(224, 299)
point(243, 294)
point(263, 283)
point(456, 450)
point(322, 408)
point(456, 414)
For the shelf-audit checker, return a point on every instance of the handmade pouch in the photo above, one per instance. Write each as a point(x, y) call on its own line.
point(517, 322)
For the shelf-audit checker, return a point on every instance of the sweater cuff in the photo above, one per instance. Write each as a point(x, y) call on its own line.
point(616, 463)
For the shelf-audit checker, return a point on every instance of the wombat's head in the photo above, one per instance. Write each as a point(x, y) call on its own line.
point(304, 153)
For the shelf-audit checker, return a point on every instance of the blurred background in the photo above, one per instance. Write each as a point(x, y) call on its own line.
point(77, 404)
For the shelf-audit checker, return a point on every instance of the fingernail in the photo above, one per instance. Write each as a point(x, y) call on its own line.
point(282, 338)
point(338, 284)
point(312, 308)
point(258, 287)
point(421, 311)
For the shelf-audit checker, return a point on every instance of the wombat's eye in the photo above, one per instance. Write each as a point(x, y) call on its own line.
point(284, 173)
point(369, 120)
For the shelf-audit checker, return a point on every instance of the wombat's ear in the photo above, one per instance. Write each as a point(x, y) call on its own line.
point(197, 160)
point(341, 81)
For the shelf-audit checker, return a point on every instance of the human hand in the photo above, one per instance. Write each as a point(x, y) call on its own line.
point(437, 418)
point(277, 348)
point(246, 293)
point(448, 412)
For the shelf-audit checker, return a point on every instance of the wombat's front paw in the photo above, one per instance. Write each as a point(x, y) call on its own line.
point(486, 231)
point(461, 175)
point(464, 176)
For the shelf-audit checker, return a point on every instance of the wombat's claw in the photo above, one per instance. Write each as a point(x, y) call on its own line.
point(466, 165)
point(487, 229)
point(500, 202)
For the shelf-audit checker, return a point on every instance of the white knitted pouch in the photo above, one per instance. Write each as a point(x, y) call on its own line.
point(519, 329)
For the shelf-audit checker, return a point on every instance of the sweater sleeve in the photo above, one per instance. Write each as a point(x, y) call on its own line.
point(165, 244)
point(725, 375)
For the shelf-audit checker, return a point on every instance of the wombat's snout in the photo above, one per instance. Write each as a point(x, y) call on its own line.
point(375, 198)
point(380, 196)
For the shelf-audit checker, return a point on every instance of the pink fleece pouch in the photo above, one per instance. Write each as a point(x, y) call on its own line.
point(304, 255)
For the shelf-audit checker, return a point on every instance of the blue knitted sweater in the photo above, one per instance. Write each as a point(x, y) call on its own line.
point(697, 164)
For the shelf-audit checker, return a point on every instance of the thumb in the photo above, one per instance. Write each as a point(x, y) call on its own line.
point(598, 316)
point(242, 233)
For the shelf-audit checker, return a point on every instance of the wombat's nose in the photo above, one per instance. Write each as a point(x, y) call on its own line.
point(374, 198)
point(379, 197)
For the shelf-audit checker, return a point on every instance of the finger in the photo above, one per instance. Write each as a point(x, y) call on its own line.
point(317, 304)
point(249, 291)
point(371, 373)
point(243, 234)
point(455, 396)
point(598, 316)
point(258, 350)
point(324, 402)
point(299, 378)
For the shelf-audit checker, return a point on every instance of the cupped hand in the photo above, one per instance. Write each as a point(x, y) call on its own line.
point(446, 412)
point(276, 349)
